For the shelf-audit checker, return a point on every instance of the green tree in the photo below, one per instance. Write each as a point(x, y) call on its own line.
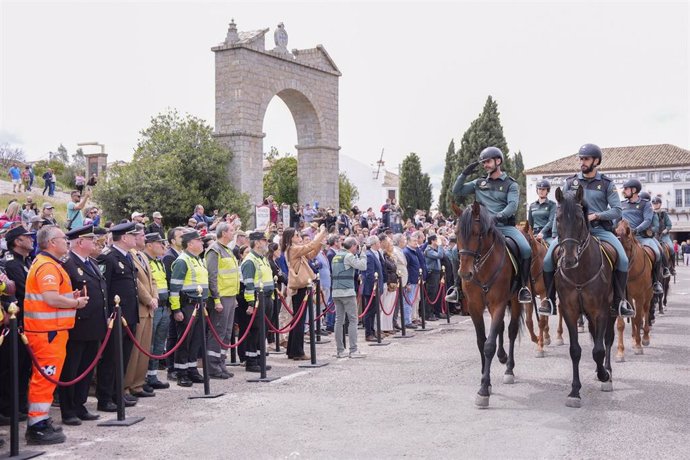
point(519, 175)
point(347, 192)
point(177, 164)
point(415, 187)
point(281, 180)
point(448, 179)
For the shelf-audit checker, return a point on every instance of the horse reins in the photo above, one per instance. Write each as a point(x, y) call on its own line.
point(479, 261)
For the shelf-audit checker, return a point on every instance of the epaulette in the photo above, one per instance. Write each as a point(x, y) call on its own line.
point(9, 256)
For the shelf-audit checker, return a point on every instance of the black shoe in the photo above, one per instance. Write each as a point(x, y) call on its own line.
point(229, 374)
point(172, 375)
point(624, 310)
point(143, 394)
point(148, 388)
point(195, 377)
point(71, 420)
point(253, 368)
point(432, 318)
point(158, 385)
point(219, 375)
point(330, 328)
point(397, 327)
point(524, 296)
point(107, 407)
point(184, 381)
point(44, 433)
point(130, 398)
point(411, 326)
point(88, 416)
point(548, 305)
point(129, 401)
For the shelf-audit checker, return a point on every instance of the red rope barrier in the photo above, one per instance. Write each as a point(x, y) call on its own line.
point(169, 352)
point(79, 378)
point(293, 322)
point(226, 346)
point(285, 305)
point(329, 309)
point(438, 295)
point(416, 296)
point(395, 302)
point(373, 294)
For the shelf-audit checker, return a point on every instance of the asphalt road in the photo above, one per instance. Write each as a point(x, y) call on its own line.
point(415, 398)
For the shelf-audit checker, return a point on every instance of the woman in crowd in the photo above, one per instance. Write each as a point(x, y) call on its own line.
point(388, 299)
point(12, 214)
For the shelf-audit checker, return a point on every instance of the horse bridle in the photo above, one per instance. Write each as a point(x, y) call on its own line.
point(479, 261)
point(581, 246)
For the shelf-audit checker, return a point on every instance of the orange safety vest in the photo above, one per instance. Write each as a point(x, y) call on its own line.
point(38, 315)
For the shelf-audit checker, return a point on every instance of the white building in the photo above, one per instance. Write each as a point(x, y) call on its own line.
point(374, 183)
point(663, 169)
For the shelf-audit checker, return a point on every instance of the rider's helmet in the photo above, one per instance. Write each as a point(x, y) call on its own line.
point(656, 200)
point(491, 152)
point(634, 183)
point(590, 150)
point(645, 196)
point(544, 184)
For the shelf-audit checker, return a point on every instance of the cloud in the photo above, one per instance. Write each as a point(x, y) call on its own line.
point(7, 137)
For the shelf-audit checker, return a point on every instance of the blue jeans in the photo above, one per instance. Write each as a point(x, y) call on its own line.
point(161, 323)
point(603, 235)
point(410, 292)
point(516, 235)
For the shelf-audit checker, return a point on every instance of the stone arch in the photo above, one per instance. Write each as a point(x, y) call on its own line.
point(247, 78)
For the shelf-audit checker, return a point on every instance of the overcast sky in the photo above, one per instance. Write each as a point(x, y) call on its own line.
point(414, 74)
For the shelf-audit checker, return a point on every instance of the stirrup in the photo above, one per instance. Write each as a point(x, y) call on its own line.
point(625, 309)
point(452, 296)
point(524, 296)
point(658, 288)
point(666, 273)
point(547, 308)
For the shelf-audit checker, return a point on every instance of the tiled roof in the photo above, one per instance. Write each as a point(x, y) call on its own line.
point(624, 158)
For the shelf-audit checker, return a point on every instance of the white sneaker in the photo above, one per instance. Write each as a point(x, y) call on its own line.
point(357, 354)
point(341, 354)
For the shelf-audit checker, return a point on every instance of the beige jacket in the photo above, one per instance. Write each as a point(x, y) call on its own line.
point(302, 252)
point(146, 285)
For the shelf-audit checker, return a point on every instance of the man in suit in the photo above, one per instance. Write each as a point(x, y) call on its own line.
point(147, 295)
point(374, 266)
point(117, 265)
point(89, 327)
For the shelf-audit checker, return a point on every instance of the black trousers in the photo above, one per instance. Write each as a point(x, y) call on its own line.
point(6, 375)
point(79, 355)
point(370, 317)
point(186, 355)
point(295, 345)
point(105, 377)
point(170, 342)
point(433, 283)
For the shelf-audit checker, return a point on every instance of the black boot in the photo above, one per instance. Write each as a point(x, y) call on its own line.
point(548, 305)
point(525, 296)
point(657, 275)
point(666, 273)
point(620, 303)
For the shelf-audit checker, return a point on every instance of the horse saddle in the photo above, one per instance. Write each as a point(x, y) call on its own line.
point(607, 250)
point(513, 251)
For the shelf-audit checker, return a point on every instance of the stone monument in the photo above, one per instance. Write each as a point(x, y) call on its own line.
point(247, 77)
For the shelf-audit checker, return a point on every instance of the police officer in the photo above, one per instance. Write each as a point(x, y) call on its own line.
point(155, 248)
point(542, 213)
point(188, 272)
point(604, 207)
point(117, 265)
point(500, 194)
point(256, 271)
point(89, 327)
point(639, 214)
point(171, 254)
point(664, 231)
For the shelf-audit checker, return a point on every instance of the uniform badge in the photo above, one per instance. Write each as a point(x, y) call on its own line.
point(80, 271)
point(599, 187)
point(576, 182)
point(101, 268)
point(9, 256)
point(500, 188)
point(637, 207)
point(122, 266)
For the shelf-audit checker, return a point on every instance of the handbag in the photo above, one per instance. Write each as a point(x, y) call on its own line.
point(299, 276)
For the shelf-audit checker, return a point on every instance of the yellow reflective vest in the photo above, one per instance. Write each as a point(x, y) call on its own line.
point(228, 270)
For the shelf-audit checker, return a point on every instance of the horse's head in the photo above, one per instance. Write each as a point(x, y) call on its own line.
point(474, 226)
point(624, 234)
point(572, 225)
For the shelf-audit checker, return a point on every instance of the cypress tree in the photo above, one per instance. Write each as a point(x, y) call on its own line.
point(415, 187)
point(448, 179)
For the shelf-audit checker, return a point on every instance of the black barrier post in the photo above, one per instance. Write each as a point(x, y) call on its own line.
point(401, 312)
point(319, 339)
point(14, 383)
point(119, 374)
point(233, 351)
point(422, 302)
point(276, 313)
point(312, 338)
point(201, 316)
point(261, 318)
point(377, 301)
point(442, 296)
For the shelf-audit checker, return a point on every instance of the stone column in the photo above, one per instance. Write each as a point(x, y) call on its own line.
point(317, 170)
point(246, 168)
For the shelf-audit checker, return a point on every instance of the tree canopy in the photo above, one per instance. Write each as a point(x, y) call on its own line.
point(415, 186)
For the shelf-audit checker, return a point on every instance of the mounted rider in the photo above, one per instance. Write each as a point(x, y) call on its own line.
point(604, 207)
point(663, 233)
point(542, 213)
point(499, 193)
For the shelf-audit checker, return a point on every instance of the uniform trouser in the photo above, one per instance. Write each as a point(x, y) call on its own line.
point(667, 239)
point(603, 235)
point(433, 280)
point(370, 316)
point(222, 323)
point(652, 244)
point(161, 323)
point(80, 354)
point(186, 355)
point(346, 307)
point(295, 345)
point(516, 235)
point(253, 341)
point(138, 365)
point(105, 374)
point(49, 349)
point(5, 378)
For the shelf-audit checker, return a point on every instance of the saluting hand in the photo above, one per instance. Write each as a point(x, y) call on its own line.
point(470, 168)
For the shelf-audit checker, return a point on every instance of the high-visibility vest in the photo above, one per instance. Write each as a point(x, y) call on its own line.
point(158, 275)
point(343, 277)
point(196, 276)
point(262, 274)
point(38, 315)
point(228, 271)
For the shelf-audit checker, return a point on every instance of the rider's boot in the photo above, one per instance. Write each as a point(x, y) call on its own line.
point(666, 273)
point(656, 277)
point(620, 302)
point(548, 304)
point(525, 296)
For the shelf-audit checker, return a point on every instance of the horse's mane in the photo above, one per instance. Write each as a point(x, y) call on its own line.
point(569, 206)
point(486, 223)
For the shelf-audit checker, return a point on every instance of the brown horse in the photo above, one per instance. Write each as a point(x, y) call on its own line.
point(639, 289)
point(488, 282)
point(584, 284)
point(538, 288)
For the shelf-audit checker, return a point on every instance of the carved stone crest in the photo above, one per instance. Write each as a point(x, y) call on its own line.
point(280, 37)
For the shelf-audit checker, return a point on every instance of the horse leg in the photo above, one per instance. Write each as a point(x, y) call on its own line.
point(570, 319)
point(608, 343)
point(544, 330)
point(482, 398)
point(540, 341)
point(652, 307)
point(530, 323)
point(620, 325)
point(581, 323)
point(559, 329)
point(513, 327)
point(645, 327)
point(599, 350)
point(501, 354)
point(478, 320)
point(636, 329)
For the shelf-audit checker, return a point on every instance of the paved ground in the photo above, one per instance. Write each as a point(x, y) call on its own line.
point(415, 398)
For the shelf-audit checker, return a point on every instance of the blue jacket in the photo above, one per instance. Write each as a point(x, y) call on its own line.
point(433, 258)
point(373, 266)
point(413, 265)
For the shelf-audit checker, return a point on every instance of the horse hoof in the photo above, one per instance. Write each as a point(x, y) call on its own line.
point(661, 312)
point(559, 342)
point(580, 329)
point(482, 402)
point(539, 354)
point(547, 342)
point(620, 359)
point(607, 386)
point(639, 351)
point(573, 402)
point(508, 379)
point(490, 388)
point(645, 342)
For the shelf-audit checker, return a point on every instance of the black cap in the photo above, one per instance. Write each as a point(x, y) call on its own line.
point(154, 237)
point(257, 236)
point(189, 236)
point(82, 232)
point(121, 229)
point(16, 232)
point(100, 231)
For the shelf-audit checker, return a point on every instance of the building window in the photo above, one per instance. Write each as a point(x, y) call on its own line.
point(687, 198)
point(679, 198)
point(391, 194)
